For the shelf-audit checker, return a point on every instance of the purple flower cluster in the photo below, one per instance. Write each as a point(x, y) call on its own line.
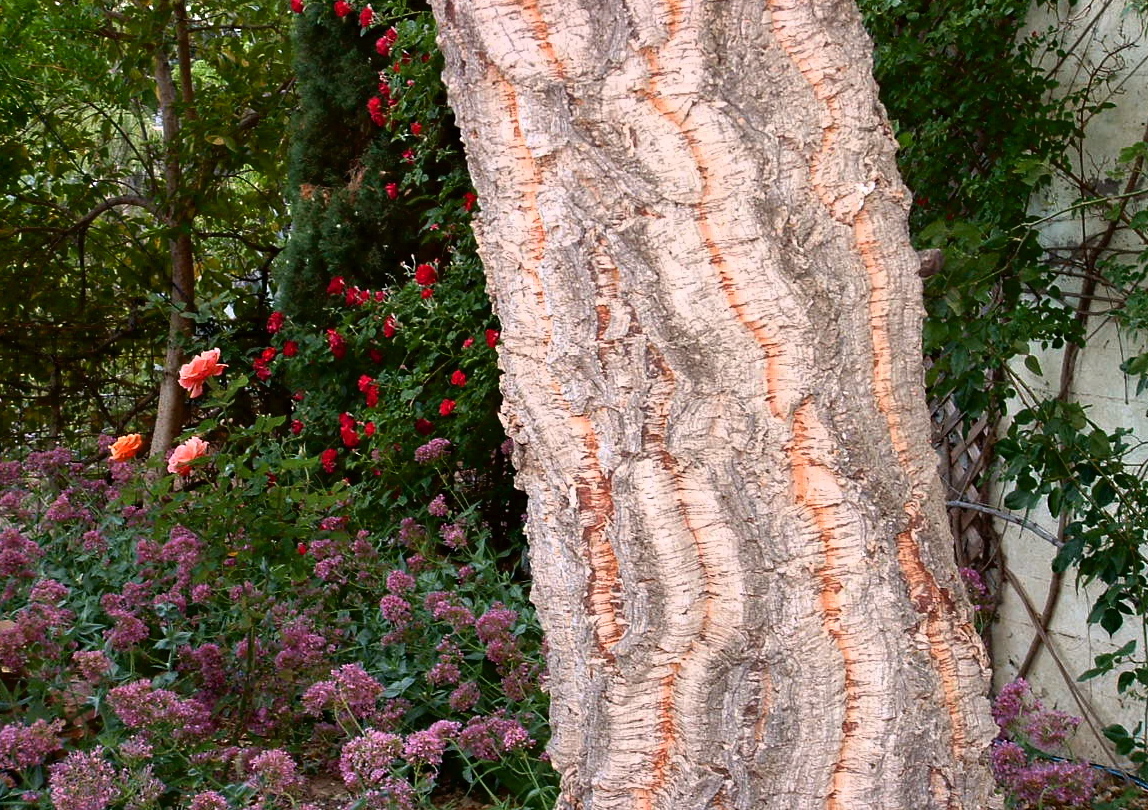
point(367, 760)
point(274, 772)
point(28, 746)
point(444, 608)
point(141, 705)
point(491, 736)
point(18, 556)
point(464, 698)
point(208, 664)
point(453, 535)
point(1042, 783)
point(83, 780)
point(91, 665)
point(438, 507)
point(303, 648)
point(978, 591)
point(208, 800)
point(1028, 776)
point(399, 582)
point(427, 747)
point(349, 688)
point(410, 531)
point(432, 450)
point(396, 610)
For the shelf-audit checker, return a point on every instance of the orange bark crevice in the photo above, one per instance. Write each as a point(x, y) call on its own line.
point(806, 474)
point(805, 52)
point(763, 336)
point(541, 30)
point(817, 491)
point(592, 488)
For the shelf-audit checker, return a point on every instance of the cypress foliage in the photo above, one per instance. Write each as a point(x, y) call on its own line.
point(344, 222)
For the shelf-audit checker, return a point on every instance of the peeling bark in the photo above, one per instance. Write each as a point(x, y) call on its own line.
point(695, 238)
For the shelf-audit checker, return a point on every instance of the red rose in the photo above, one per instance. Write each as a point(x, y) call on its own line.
point(290, 348)
point(328, 457)
point(342, 8)
point(466, 344)
point(337, 344)
point(424, 427)
point(337, 285)
point(392, 190)
point(375, 355)
point(296, 427)
point(425, 275)
point(369, 428)
point(383, 44)
point(447, 407)
point(409, 156)
point(297, 6)
point(269, 354)
point(426, 293)
point(416, 129)
point(390, 326)
point(350, 437)
point(468, 200)
point(275, 322)
point(371, 389)
point(301, 548)
point(458, 378)
point(376, 111)
point(366, 17)
point(492, 336)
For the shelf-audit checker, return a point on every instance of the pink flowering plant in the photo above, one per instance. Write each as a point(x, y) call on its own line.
point(223, 636)
point(1028, 756)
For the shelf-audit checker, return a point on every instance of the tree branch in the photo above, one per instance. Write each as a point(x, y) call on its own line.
point(1007, 517)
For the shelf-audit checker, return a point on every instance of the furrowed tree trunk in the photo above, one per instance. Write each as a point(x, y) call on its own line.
point(695, 238)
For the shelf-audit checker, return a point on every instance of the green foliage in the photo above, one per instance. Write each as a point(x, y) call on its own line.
point(183, 626)
point(345, 221)
point(977, 133)
point(86, 202)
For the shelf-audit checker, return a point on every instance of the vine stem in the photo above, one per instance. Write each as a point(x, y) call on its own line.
point(1086, 710)
point(1010, 518)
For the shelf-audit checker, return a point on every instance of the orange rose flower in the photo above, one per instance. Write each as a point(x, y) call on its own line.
point(126, 447)
point(193, 375)
point(182, 456)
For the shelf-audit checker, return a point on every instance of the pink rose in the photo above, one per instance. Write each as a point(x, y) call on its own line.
point(182, 456)
point(193, 375)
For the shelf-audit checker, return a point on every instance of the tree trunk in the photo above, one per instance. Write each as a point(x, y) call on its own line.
point(695, 238)
point(180, 217)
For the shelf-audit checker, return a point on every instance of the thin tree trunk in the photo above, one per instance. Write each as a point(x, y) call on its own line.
point(171, 410)
point(695, 238)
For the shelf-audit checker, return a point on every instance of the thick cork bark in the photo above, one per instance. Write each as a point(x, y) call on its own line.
point(695, 238)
